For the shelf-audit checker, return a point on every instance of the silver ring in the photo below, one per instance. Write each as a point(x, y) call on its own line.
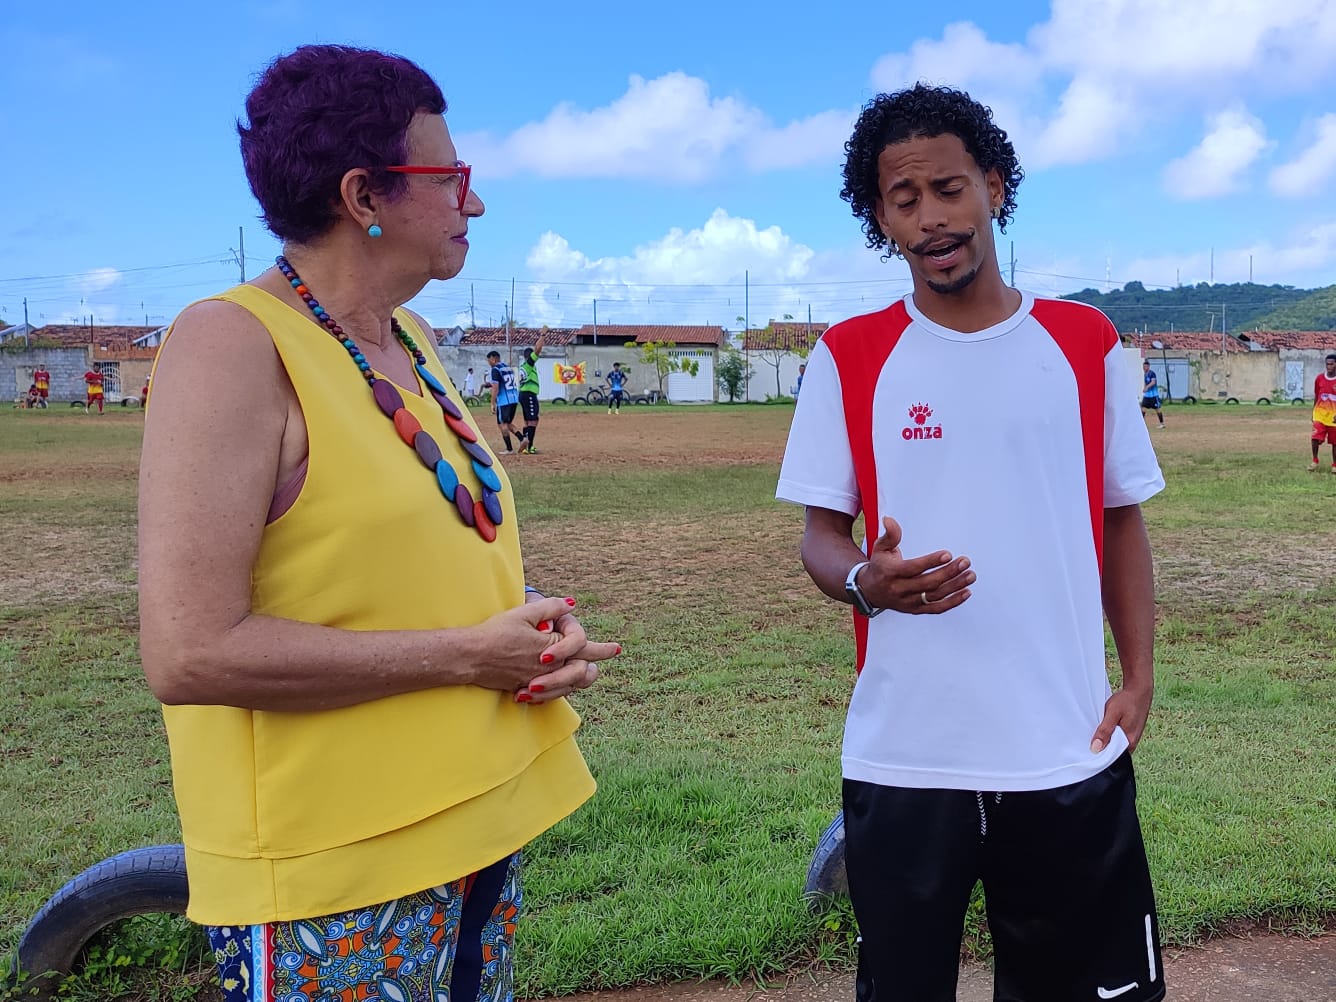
point(924, 595)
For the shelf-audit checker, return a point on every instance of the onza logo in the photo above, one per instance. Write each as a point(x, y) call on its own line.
point(919, 414)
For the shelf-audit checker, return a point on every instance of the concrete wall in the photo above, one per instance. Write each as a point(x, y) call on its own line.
point(1313, 361)
point(66, 365)
point(1246, 378)
point(762, 382)
point(1243, 376)
point(597, 359)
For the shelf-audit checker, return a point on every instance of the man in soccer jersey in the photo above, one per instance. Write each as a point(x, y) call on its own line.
point(1324, 413)
point(529, 387)
point(983, 740)
point(1150, 392)
point(616, 388)
point(93, 380)
point(505, 399)
point(41, 378)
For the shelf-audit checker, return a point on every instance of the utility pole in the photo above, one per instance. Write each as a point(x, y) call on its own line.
point(746, 326)
point(27, 343)
point(595, 323)
point(473, 319)
point(239, 256)
point(1250, 269)
point(510, 323)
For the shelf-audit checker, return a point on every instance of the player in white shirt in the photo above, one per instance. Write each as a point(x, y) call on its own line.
point(983, 740)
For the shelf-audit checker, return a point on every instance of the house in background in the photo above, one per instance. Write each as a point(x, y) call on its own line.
point(1249, 367)
point(774, 352)
point(691, 343)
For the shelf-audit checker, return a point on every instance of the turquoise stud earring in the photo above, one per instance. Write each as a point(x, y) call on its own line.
point(374, 230)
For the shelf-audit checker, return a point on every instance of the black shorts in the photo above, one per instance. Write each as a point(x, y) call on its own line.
point(529, 406)
point(1151, 402)
point(1065, 880)
point(505, 413)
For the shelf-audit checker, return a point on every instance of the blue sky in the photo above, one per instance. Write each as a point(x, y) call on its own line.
point(679, 163)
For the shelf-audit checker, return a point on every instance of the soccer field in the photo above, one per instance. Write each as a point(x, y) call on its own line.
point(715, 737)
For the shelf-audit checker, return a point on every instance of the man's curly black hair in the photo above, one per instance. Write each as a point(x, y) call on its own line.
point(923, 111)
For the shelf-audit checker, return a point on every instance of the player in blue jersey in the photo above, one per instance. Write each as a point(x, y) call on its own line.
point(505, 389)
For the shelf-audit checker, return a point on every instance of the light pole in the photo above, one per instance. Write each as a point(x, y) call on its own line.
point(1164, 360)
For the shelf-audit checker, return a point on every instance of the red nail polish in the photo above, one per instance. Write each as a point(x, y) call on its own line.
point(545, 626)
point(536, 687)
point(546, 658)
point(523, 697)
point(570, 601)
point(619, 648)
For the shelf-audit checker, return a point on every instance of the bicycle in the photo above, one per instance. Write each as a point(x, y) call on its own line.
point(595, 396)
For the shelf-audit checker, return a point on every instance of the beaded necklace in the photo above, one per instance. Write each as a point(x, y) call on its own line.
point(482, 514)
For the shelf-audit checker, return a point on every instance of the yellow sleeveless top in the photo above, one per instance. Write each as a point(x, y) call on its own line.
point(296, 815)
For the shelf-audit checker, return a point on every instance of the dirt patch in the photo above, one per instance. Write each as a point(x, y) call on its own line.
point(655, 436)
point(1223, 567)
point(1259, 967)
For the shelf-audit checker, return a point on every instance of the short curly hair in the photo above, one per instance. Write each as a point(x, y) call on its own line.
point(923, 111)
point(318, 112)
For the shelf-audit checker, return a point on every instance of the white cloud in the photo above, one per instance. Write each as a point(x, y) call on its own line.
point(1233, 142)
point(97, 280)
point(1169, 48)
point(1304, 259)
point(715, 252)
point(1122, 66)
point(1091, 122)
point(1077, 89)
point(667, 129)
point(1305, 175)
point(697, 276)
point(963, 57)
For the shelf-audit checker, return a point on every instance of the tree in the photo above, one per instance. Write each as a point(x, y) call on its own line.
point(731, 373)
point(782, 344)
point(657, 354)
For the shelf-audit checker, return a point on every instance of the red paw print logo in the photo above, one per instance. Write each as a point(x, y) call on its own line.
point(920, 413)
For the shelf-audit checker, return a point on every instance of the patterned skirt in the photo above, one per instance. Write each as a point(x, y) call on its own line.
point(452, 943)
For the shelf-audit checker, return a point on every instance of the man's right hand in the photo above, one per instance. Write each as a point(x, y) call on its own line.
point(916, 585)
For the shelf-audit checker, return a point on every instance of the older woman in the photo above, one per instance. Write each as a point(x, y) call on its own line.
point(365, 703)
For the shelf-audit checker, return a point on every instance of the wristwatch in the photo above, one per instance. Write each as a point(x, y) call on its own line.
point(855, 593)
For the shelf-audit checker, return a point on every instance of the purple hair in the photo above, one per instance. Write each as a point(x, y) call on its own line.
point(317, 113)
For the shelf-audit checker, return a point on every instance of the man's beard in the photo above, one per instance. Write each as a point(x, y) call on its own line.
point(955, 285)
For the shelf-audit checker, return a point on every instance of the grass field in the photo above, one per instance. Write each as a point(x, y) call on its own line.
point(715, 737)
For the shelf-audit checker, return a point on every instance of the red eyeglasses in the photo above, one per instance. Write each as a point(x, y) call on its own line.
point(462, 170)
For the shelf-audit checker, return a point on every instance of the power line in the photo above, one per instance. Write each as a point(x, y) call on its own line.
point(123, 271)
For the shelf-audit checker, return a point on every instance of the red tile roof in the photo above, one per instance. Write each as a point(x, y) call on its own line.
point(1187, 341)
point(641, 333)
point(1297, 340)
point(783, 335)
point(79, 335)
point(557, 337)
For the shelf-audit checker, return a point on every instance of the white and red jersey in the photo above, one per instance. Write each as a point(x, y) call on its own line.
point(900, 416)
point(1324, 400)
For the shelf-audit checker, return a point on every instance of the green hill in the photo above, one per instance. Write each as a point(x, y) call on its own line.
point(1315, 312)
point(1240, 306)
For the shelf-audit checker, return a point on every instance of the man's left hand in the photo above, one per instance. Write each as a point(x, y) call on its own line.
point(1128, 709)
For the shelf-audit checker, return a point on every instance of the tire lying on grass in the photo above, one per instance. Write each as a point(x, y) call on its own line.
point(137, 882)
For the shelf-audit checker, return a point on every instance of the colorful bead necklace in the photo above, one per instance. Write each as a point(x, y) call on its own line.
point(482, 514)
